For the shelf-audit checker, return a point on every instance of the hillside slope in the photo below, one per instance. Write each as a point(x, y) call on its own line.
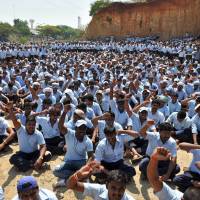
point(166, 18)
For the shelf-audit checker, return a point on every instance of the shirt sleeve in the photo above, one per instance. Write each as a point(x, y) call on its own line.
point(22, 128)
point(173, 149)
point(151, 135)
point(1, 194)
point(195, 152)
point(89, 145)
point(40, 138)
point(5, 124)
point(92, 190)
point(169, 119)
point(99, 152)
point(113, 106)
point(168, 193)
point(194, 128)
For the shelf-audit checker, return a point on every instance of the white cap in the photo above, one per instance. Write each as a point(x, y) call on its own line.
point(143, 109)
point(48, 89)
point(80, 123)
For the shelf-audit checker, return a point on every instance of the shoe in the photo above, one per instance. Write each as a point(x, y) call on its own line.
point(60, 183)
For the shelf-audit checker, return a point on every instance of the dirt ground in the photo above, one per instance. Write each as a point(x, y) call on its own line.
point(139, 189)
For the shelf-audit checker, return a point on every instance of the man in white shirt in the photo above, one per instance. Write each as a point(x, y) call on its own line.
point(154, 113)
point(182, 126)
point(79, 148)
point(161, 189)
point(100, 122)
point(185, 180)
point(89, 101)
point(174, 105)
point(5, 131)
point(196, 125)
point(167, 169)
point(49, 128)
point(32, 149)
point(113, 190)
point(110, 150)
point(27, 188)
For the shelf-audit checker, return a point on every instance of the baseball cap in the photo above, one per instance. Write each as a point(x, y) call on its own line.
point(80, 123)
point(143, 109)
point(48, 89)
point(26, 183)
point(55, 85)
point(99, 92)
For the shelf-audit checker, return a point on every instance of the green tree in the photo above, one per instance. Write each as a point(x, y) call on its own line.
point(5, 30)
point(59, 32)
point(49, 30)
point(21, 27)
point(98, 5)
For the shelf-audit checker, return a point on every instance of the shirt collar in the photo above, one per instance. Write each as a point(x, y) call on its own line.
point(104, 195)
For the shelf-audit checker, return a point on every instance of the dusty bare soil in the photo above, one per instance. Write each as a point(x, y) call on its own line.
point(139, 189)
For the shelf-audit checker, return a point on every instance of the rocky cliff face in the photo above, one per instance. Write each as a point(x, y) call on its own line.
point(166, 18)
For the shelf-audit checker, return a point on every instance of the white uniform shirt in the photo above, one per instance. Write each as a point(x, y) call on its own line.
point(105, 152)
point(196, 158)
point(97, 109)
point(77, 150)
point(155, 141)
point(1, 194)
point(191, 108)
point(3, 126)
point(48, 130)
point(102, 125)
point(29, 143)
point(158, 117)
point(168, 193)
point(120, 117)
point(100, 192)
point(196, 124)
point(44, 194)
point(179, 126)
point(174, 107)
point(136, 123)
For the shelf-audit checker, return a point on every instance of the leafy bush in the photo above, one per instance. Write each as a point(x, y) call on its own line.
point(98, 5)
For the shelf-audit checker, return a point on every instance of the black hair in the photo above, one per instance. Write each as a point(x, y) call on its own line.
point(30, 119)
point(181, 114)
point(118, 176)
point(165, 126)
point(53, 111)
point(112, 114)
point(66, 101)
point(89, 97)
point(155, 101)
point(192, 193)
point(108, 131)
point(47, 101)
point(81, 106)
point(27, 104)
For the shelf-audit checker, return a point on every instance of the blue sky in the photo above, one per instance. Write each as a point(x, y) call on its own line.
point(55, 12)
